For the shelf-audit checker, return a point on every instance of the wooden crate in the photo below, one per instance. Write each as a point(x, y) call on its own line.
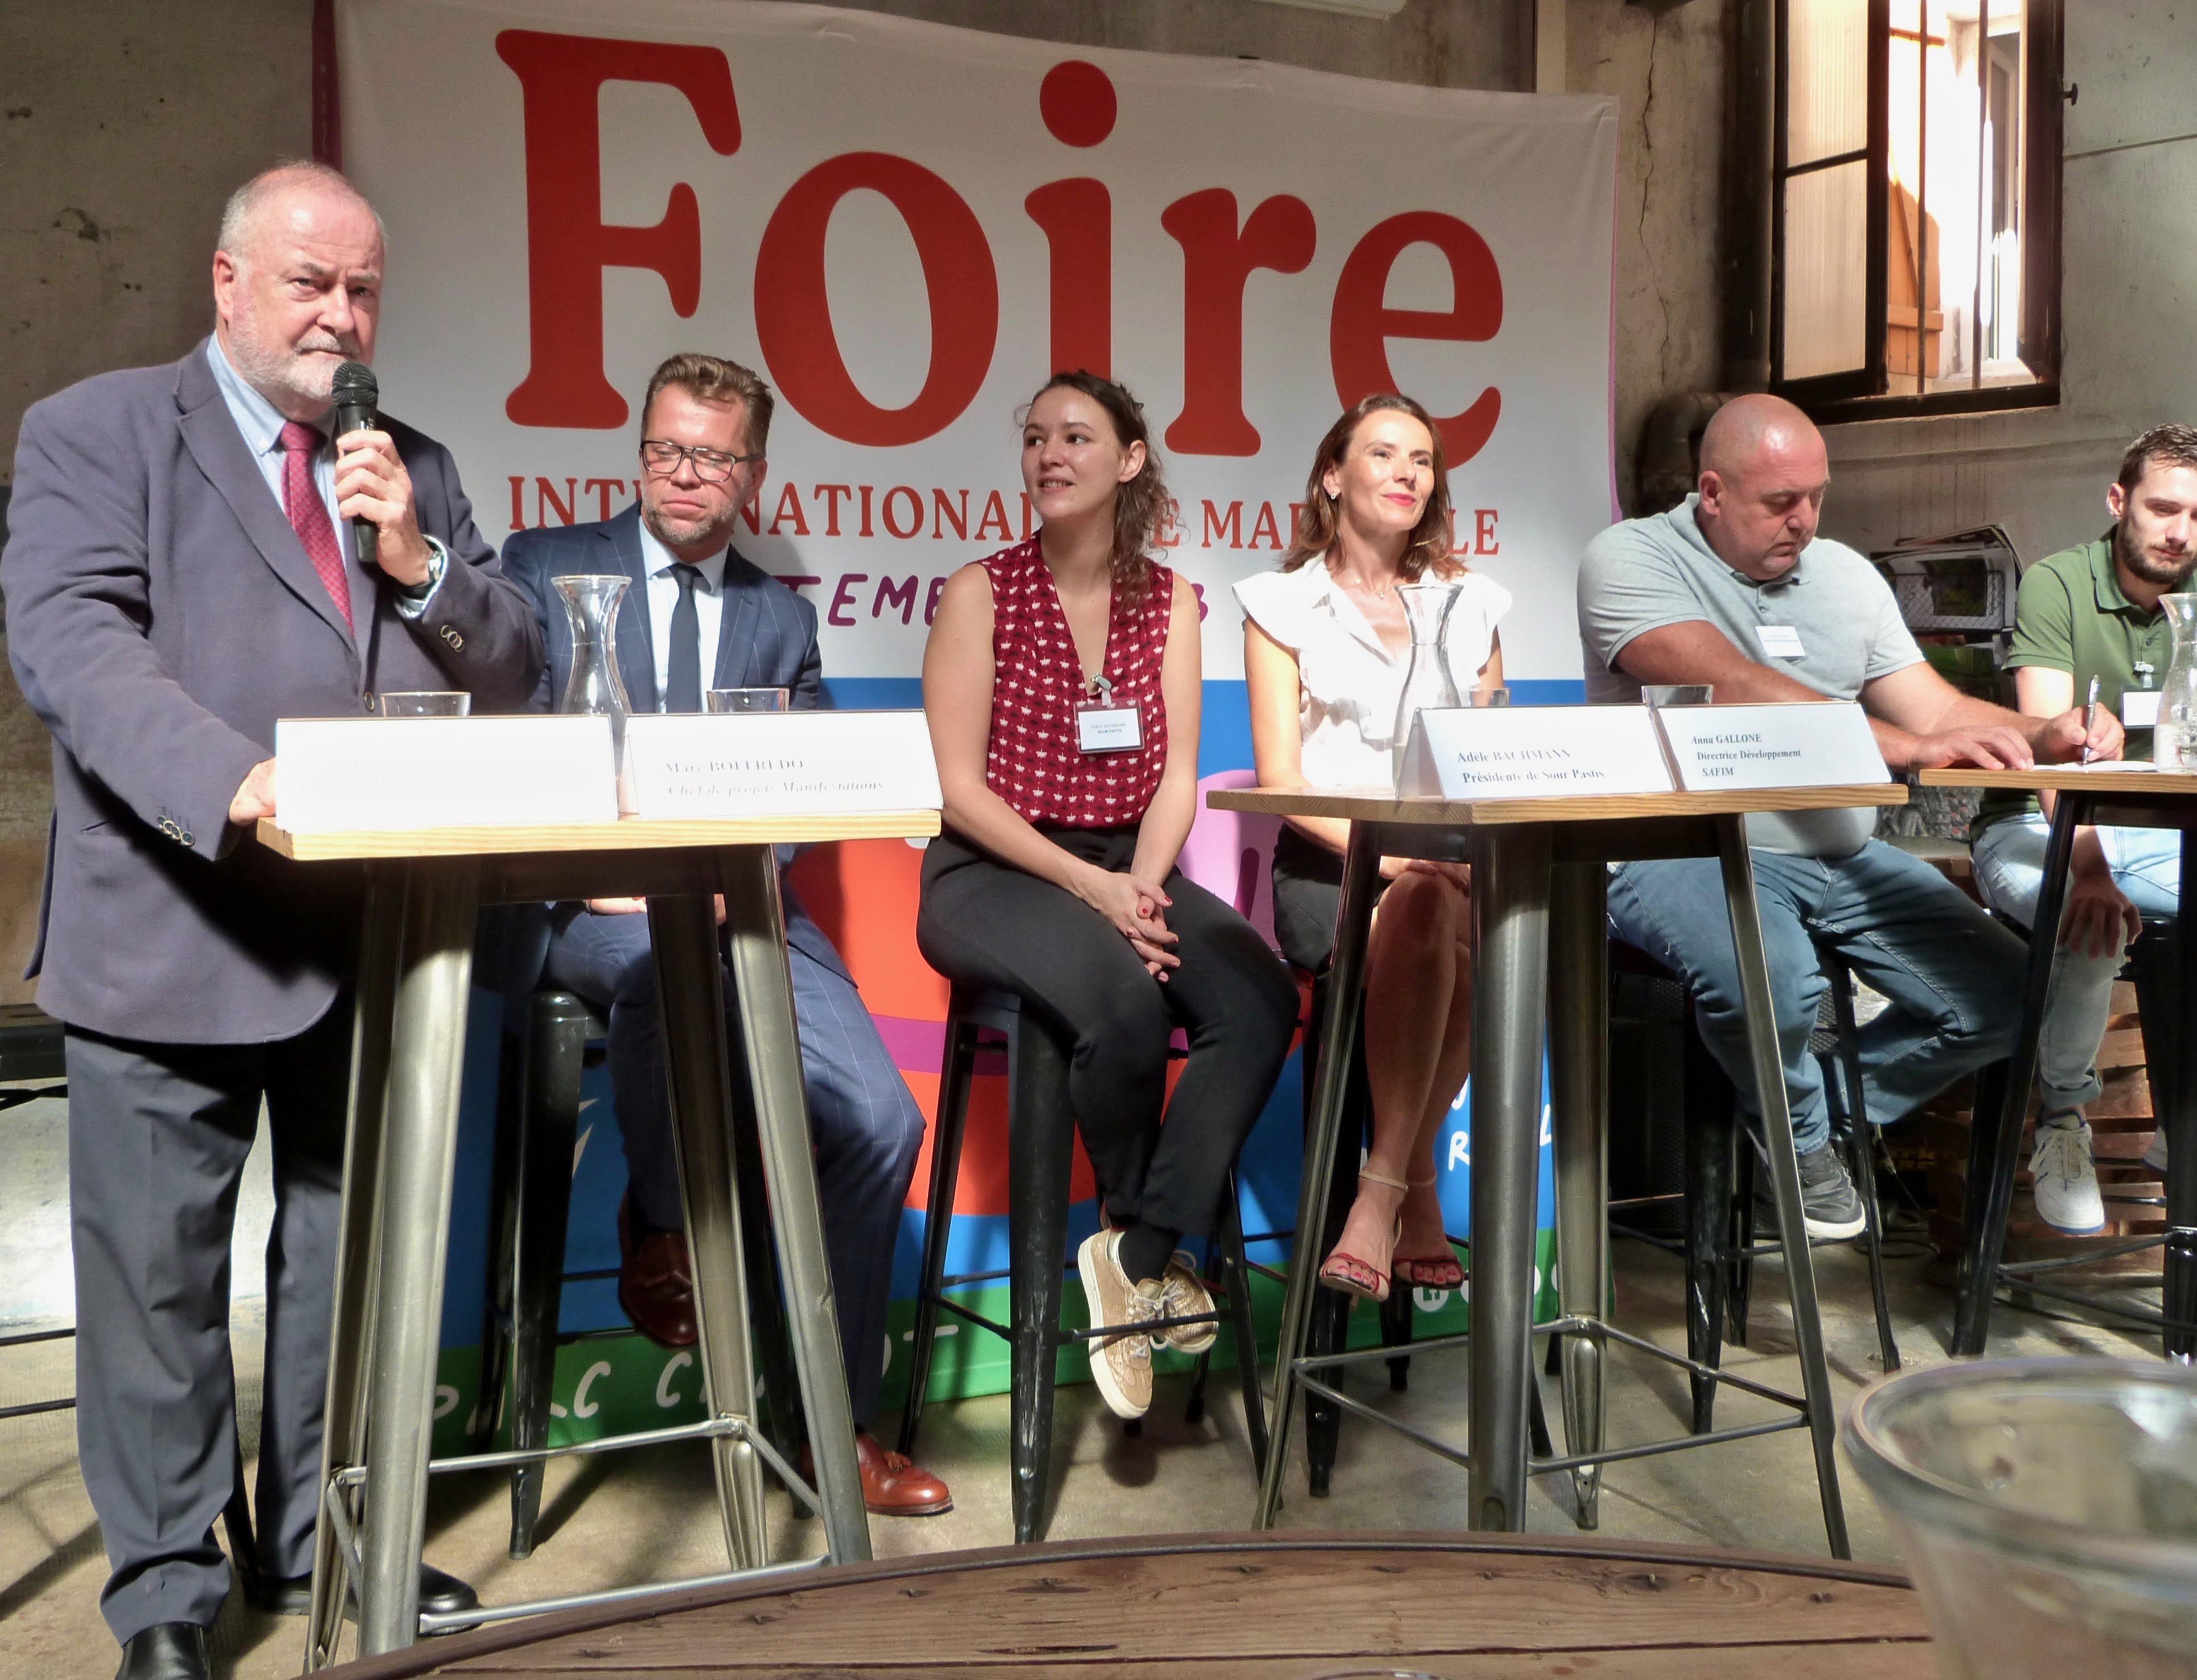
point(2121, 1126)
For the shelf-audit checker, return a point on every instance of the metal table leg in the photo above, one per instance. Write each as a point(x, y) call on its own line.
point(1994, 1143)
point(754, 927)
point(682, 931)
point(343, 1435)
point(1578, 1089)
point(1511, 909)
point(1353, 919)
point(2178, 1296)
point(427, 1059)
point(1769, 1069)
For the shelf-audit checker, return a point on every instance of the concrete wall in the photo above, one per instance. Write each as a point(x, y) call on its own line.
point(2129, 298)
point(123, 128)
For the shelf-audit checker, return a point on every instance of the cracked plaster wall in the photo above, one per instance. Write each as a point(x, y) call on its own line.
point(1667, 71)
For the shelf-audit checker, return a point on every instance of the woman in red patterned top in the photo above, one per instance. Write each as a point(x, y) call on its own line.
point(1062, 683)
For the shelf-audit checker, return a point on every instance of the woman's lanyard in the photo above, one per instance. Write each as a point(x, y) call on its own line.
point(1102, 726)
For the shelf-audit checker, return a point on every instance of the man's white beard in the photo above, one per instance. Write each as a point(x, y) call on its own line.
point(277, 370)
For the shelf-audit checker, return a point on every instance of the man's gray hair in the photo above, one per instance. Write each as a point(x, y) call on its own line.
point(240, 215)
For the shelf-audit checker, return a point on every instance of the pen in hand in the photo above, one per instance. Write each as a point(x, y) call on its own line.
point(2089, 719)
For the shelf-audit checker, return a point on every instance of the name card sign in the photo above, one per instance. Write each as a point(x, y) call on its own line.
point(350, 774)
point(795, 763)
point(1532, 752)
point(1790, 744)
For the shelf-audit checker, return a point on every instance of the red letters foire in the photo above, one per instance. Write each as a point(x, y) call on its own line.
point(568, 244)
point(1217, 262)
point(793, 313)
point(1362, 323)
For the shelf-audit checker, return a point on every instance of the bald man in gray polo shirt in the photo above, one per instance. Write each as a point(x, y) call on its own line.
point(1733, 587)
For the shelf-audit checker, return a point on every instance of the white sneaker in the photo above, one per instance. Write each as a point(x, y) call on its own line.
point(2154, 1152)
point(2066, 1187)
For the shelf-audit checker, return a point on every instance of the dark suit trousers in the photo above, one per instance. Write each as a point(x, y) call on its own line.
point(984, 923)
point(158, 1137)
point(867, 1127)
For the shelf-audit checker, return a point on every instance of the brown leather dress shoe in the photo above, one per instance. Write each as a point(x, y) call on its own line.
point(894, 1485)
point(656, 1284)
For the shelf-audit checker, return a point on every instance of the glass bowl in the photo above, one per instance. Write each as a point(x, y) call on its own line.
point(2047, 1508)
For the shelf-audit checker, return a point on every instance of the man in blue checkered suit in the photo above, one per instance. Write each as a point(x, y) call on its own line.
point(699, 617)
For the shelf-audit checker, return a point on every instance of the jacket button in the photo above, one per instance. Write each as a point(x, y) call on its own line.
point(451, 636)
point(366, 702)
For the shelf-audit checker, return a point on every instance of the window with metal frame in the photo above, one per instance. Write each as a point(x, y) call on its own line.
point(1916, 235)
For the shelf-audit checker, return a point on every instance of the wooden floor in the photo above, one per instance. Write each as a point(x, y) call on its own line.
point(1454, 1606)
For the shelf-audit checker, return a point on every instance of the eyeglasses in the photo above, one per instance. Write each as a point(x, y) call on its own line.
point(711, 465)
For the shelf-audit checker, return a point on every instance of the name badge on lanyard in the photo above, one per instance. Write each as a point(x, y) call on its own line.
point(1102, 726)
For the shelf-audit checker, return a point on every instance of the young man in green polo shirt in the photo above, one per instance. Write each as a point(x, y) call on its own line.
point(2089, 612)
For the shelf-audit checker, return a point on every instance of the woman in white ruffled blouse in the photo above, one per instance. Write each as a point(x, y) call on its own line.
point(1325, 649)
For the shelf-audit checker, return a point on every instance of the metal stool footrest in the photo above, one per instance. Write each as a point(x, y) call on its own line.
point(344, 1486)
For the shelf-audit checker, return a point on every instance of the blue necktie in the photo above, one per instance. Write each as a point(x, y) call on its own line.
point(684, 692)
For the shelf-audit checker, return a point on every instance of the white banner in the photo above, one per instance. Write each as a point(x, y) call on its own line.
point(906, 227)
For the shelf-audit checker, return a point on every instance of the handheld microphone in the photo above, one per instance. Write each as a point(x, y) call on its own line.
point(357, 393)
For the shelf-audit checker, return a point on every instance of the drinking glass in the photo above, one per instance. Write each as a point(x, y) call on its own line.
point(427, 703)
point(1677, 694)
point(1487, 696)
point(748, 699)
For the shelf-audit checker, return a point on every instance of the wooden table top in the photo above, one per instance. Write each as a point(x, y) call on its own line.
point(2108, 776)
point(1375, 805)
point(1231, 1606)
point(627, 834)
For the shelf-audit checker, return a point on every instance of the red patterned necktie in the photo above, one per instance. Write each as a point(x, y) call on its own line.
point(308, 514)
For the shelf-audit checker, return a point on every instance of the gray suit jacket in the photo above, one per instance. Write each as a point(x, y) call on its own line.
point(766, 639)
point(161, 614)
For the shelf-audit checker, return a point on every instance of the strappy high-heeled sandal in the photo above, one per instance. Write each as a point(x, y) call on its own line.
point(1348, 1275)
point(1428, 1272)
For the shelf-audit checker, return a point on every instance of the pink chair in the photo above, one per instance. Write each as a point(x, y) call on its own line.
point(1230, 853)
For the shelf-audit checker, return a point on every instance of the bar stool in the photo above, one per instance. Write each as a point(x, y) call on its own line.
point(537, 1131)
point(1330, 1312)
point(1719, 1242)
point(1041, 1130)
point(33, 1046)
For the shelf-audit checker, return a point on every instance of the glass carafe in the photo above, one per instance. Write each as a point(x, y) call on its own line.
point(591, 606)
point(1427, 684)
point(2174, 742)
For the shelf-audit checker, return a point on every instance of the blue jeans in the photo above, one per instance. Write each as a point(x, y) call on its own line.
point(1952, 974)
point(867, 1127)
point(2147, 866)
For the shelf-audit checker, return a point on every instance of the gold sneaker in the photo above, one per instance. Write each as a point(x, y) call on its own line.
point(1183, 1294)
point(1122, 1365)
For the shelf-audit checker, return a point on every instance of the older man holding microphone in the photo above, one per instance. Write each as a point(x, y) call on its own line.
point(182, 570)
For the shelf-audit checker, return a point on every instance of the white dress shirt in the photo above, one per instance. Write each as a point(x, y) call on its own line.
point(663, 601)
point(1348, 683)
point(262, 423)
